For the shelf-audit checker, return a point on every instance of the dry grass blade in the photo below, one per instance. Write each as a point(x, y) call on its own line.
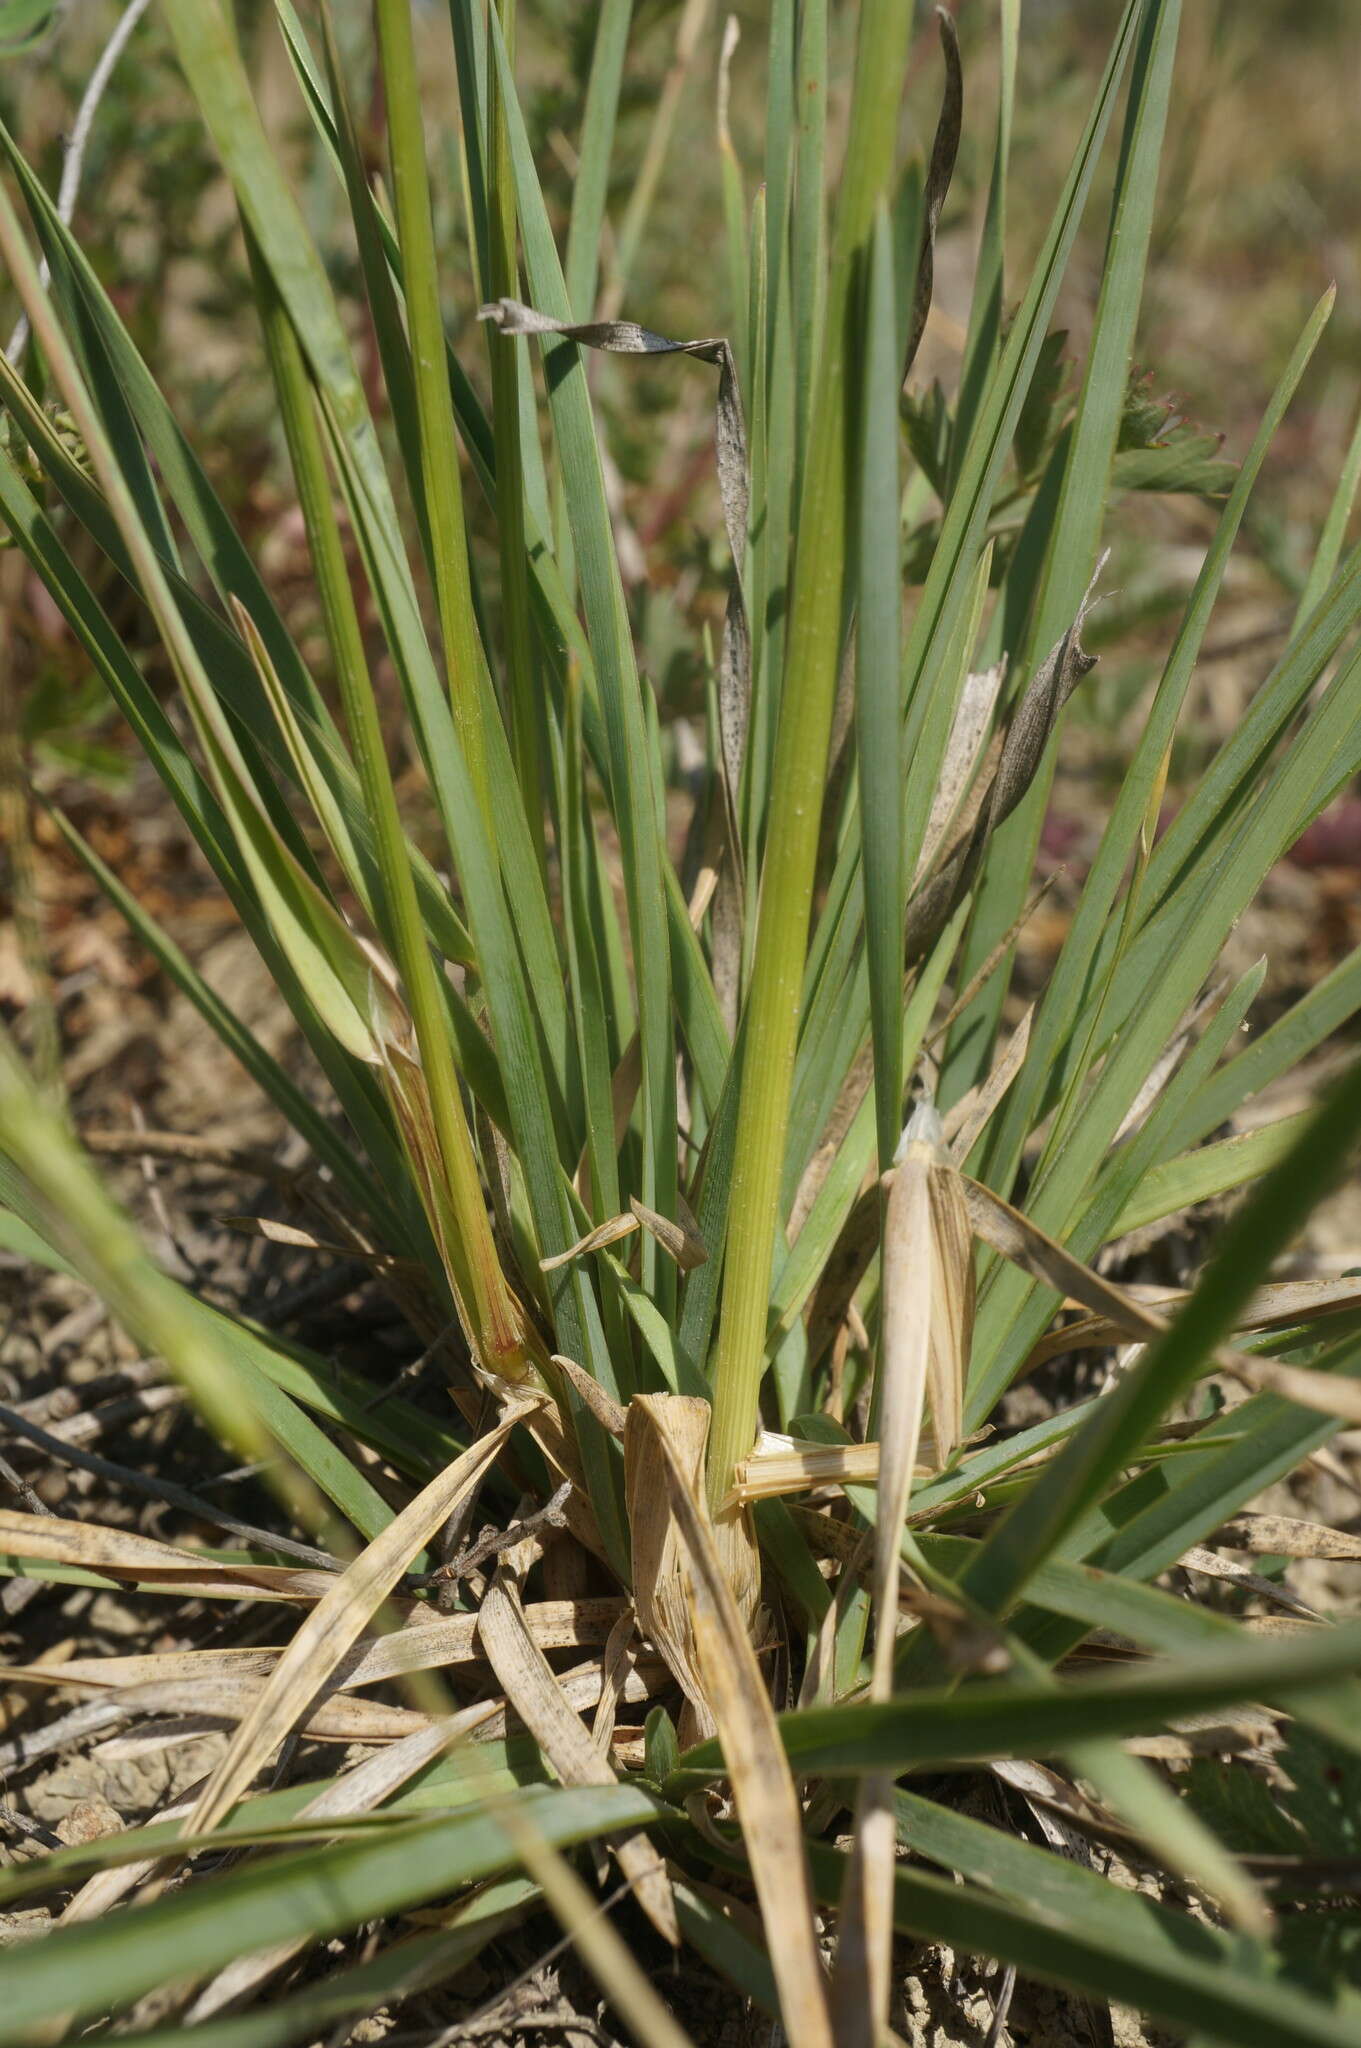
point(65, 1452)
point(864, 1952)
point(426, 1645)
point(595, 1240)
point(608, 1412)
point(1027, 1246)
point(973, 718)
point(372, 1781)
point(844, 1269)
point(583, 1687)
point(969, 1117)
point(1324, 1393)
point(1170, 1058)
point(660, 1580)
point(116, 1551)
point(763, 1789)
point(232, 1699)
point(852, 1093)
point(531, 1686)
point(927, 1287)
point(210, 1702)
point(986, 968)
point(121, 1555)
point(1285, 1536)
point(360, 1791)
point(503, 1343)
point(780, 1465)
point(1018, 759)
point(1275, 1307)
point(297, 1239)
point(614, 1671)
point(905, 1348)
point(681, 1241)
point(1283, 1302)
point(1198, 1559)
point(625, 337)
point(625, 1082)
point(197, 1704)
point(944, 150)
point(106, 1887)
point(340, 1616)
point(951, 1298)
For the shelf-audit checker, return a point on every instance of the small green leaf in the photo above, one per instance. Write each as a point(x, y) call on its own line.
point(660, 1746)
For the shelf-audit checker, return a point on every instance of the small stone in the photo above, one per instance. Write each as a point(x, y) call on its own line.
point(89, 1820)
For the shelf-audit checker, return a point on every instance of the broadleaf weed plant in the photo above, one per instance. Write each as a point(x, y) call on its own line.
point(716, 1178)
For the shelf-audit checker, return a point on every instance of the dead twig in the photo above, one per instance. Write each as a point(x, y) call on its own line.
point(24, 1824)
point(154, 1489)
point(17, 1484)
point(492, 1542)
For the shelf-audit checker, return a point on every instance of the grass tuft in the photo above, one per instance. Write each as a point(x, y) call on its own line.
point(684, 1092)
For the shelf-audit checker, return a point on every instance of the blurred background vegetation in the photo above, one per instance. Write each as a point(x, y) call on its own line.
point(1255, 216)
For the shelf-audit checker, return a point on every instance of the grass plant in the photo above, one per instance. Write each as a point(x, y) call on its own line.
point(621, 1126)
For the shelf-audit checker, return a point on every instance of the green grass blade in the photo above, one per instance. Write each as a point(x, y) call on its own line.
point(740, 324)
point(349, 1083)
point(1168, 1825)
point(224, 655)
point(1197, 1176)
point(106, 1963)
point(963, 528)
point(632, 792)
point(1284, 1044)
point(434, 405)
point(241, 1405)
point(989, 1720)
point(1074, 532)
point(984, 338)
point(338, 127)
point(808, 256)
point(509, 371)
point(216, 541)
point(695, 1001)
point(1329, 550)
point(1089, 1462)
point(1160, 1622)
point(414, 1440)
point(694, 15)
point(780, 130)
point(1157, 980)
point(418, 1963)
point(1060, 1007)
point(1012, 1311)
point(878, 648)
point(429, 1002)
point(469, 27)
point(1217, 804)
point(799, 770)
point(588, 992)
point(590, 186)
point(1146, 1526)
point(1184, 1981)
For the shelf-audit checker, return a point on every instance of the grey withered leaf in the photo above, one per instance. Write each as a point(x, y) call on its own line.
point(626, 337)
point(1028, 734)
point(944, 150)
